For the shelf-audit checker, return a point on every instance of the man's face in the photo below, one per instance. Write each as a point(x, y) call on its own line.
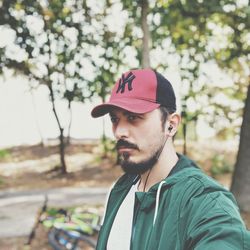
point(139, 139)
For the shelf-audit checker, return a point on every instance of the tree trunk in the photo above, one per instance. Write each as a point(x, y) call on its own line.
point(241, 177)
point(146, 35)
point(49, 84)
point(61, 137)
point(62, 152)
point(184, 130)
point(70, 121)
point(184, 127)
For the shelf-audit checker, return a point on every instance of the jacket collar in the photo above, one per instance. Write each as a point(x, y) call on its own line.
point(181, 170)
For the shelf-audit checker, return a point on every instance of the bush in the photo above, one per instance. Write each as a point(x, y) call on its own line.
point(220, 166)
point(4, 153)
point(1, 181)
point(107, 148)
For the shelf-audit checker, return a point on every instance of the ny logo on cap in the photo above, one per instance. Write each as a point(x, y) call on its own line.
point(125, 80)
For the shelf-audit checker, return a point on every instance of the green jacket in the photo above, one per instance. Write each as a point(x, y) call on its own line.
point(188, 210)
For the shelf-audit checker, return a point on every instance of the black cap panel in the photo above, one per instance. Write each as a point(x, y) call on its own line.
point(165, 93)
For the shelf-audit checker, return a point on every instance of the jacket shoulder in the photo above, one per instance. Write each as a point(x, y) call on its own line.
point(209, 211)
point(201, 188)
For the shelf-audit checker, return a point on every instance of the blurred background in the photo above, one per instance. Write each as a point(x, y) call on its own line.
point(59, 58)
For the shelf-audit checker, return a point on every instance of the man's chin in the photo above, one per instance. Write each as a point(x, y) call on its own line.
point(132, 167)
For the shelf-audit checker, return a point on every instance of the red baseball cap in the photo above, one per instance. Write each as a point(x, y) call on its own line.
point(139, 91)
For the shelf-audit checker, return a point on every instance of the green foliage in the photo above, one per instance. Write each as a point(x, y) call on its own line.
point(106, 151)
point(197, 32)
point(1, 181)
point(66, 45)
point(220, 166)
point(54, 52)
point(4, 153)
point(107, 148)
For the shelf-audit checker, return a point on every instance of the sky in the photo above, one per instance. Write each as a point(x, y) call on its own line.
point(24, 117)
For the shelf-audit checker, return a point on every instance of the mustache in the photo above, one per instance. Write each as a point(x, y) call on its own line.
point(126, 144)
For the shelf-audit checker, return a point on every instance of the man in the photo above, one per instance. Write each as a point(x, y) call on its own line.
point(163, 201)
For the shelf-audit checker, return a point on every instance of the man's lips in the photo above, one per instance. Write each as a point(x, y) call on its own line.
point(125, 149)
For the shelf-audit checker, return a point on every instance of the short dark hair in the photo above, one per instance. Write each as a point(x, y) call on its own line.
point(164, 115)
point(165, 112)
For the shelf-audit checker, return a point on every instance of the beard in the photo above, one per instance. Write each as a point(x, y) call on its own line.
point(138, 167)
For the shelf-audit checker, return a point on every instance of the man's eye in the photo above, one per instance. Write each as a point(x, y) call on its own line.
point(132, 117)
point(113, 119)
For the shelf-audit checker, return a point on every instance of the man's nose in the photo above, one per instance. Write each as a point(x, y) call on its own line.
point(121, 130)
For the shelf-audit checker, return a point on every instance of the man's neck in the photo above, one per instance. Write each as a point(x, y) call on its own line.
point(160, 170)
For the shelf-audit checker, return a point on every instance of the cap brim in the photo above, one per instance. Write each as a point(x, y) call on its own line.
point(133, 105)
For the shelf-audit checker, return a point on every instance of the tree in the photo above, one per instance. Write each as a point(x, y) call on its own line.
point(233, 58)
point(195, 37)
point(241, 178)
point(51, 39)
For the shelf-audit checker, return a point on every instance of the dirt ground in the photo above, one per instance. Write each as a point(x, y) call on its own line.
point(36, 167)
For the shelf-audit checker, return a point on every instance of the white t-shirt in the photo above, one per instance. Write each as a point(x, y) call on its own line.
point(120, 233)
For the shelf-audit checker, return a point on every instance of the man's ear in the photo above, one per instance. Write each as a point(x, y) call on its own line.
point(172, 124)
